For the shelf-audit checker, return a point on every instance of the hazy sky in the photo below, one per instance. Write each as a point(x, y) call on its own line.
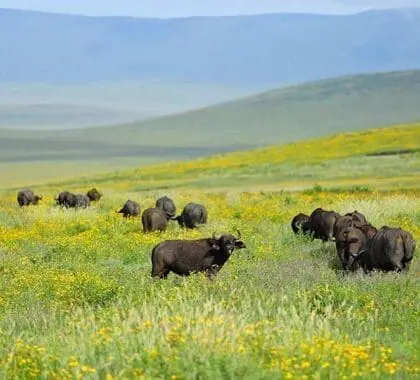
point(180, 8)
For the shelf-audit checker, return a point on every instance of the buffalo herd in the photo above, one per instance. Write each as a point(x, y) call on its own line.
point(359, 244)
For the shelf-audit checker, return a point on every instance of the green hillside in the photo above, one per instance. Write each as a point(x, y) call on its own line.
point(275, 117)
point(288, 114)
point(65, 106)
point(383, 158)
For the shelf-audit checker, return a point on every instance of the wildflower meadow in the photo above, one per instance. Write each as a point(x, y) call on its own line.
point(77, 299)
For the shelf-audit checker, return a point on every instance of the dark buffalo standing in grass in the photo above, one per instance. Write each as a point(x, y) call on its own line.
point(184, 257)
point(350, 243)
point(154, 219)
point(390, 249)
point(300, 224)
point(94, 195)
point(65, 199)
point(27, 197)
point(192, 216)
point(129, 209)
point(167, 205)
point(322, 222)
point(70, 200)
point(80, 201)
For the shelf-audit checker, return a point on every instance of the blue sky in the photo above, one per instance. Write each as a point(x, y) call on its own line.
point(181, 8)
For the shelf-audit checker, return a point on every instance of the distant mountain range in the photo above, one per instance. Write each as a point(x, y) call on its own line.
point(242, 50)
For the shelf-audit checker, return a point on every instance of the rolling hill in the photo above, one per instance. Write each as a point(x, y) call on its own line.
point(261, 49)
point(376, 158)
point(274, 117)
point(60, 106)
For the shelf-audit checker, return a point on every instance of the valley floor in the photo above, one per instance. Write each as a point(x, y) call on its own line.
point(77, 299)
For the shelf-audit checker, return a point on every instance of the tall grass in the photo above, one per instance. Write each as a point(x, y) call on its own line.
point(77, 299)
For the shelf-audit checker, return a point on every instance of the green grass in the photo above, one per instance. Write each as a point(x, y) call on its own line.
point(77, 299)
point(279, 116)
point(343, 160)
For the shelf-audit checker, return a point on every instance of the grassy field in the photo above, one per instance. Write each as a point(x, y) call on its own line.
point(274, 117)
point(77, 299)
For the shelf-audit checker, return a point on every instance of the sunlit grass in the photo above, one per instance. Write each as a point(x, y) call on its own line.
point(77, 299)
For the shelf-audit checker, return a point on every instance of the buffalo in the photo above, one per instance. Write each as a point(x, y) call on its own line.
point(94, 195)
point(27, 197)
point(392, 249)
point(184, 257)
point(192, 215)
point(65, 199)
point(80, 201)
point(351, 242)
point(322, 222)
point(167, 205)
point(130, 208)
point(300, 224)
point(154, 219)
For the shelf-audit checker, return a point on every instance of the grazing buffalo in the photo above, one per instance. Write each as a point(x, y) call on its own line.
point(80, 201)
point(65, 199)
point(154, 219)
point(184, 257)
point(392, 249)
point(350, 243)
point(322, 224)
point(300, 224)
point(192, 215)
point(26, 197)
point(94, 195)
point(130, 208)
point(167, 205)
